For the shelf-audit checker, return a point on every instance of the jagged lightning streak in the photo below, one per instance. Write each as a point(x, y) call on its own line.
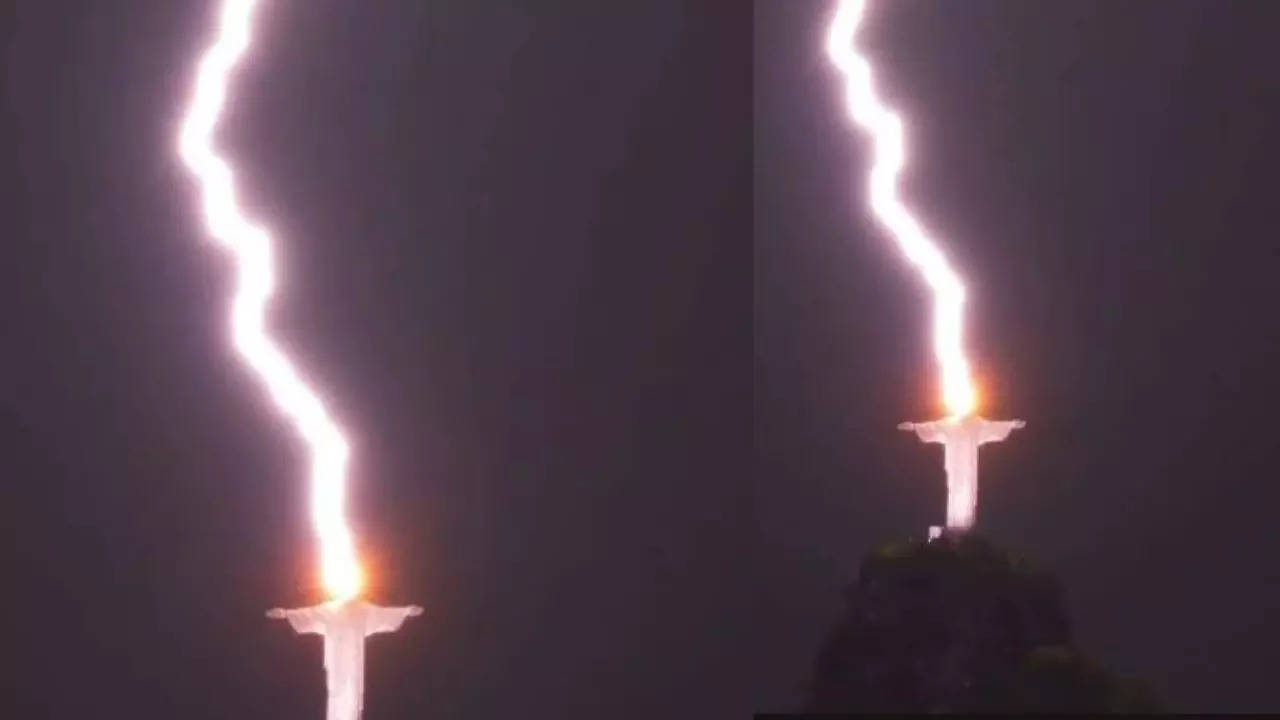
point(250, 246)
point(885, 129)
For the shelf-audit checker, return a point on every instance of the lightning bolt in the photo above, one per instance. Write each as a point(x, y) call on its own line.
point(250, 246)
point(885, 128)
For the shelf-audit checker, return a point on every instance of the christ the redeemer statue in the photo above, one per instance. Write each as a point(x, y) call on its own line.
point(961, 438)
point(344, 626)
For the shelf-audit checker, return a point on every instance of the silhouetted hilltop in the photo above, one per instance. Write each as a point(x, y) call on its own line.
point(959, 625)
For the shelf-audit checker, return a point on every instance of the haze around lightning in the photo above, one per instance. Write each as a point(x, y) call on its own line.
point(250, 247)
point(885, 128)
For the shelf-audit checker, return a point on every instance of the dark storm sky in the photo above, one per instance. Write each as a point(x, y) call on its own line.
point(1104, 176)
point(514, 252)
point(516, 256)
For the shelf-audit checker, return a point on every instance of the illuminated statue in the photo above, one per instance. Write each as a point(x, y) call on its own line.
point(344, 626)
point(961, 438)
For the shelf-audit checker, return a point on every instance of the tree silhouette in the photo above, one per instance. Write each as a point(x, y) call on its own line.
point(957, 625)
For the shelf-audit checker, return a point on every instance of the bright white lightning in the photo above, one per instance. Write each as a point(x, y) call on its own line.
point(250, 246)
point(963, 432)
point(885, 129)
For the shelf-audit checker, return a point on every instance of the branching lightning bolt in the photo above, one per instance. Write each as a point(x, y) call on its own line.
point(885, 128)
point(250, 246)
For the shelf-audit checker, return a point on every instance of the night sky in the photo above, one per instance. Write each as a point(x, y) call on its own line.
point(619, 348)
point(514, 249)
point(1104, 175)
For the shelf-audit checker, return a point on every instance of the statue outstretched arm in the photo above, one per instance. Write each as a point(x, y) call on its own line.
point(389, 619)
point(997, 430)
point(930, 432)
point(303, 620)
